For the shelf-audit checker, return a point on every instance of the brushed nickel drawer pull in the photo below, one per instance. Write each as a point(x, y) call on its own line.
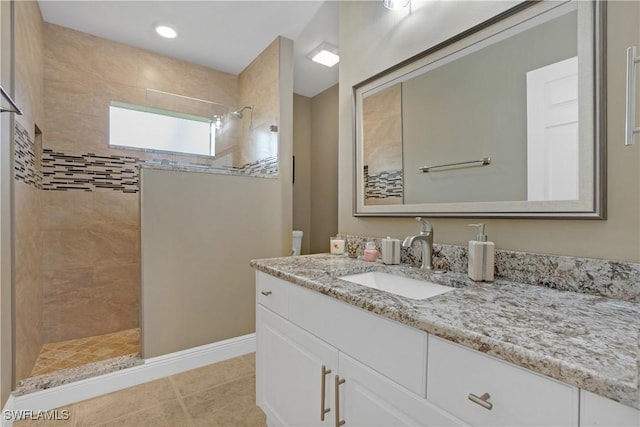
point(324, 410)
point(482, 400)
point(339, 381)
point(266, 293)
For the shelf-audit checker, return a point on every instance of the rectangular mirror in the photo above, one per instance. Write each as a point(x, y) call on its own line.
point(503, 120)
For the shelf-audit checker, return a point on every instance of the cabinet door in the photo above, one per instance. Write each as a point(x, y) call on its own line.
point(599, 411)
point(289, 368)
point(368, 399)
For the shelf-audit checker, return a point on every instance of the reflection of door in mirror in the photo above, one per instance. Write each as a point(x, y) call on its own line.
point(382, 123)
point(552, 131)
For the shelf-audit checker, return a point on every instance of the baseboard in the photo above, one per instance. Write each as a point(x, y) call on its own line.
point(152, 369)
point(8, 412)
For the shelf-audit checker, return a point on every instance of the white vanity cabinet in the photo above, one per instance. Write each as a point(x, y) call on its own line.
point(374, 363)
point(319, 356)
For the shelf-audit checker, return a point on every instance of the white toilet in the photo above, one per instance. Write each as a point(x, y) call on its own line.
point(296, 236)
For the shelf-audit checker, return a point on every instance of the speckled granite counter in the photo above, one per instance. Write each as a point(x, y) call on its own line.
point(584, 340)
point(66, 376)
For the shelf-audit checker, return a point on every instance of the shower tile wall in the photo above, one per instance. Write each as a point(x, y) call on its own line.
point(91, 264)
point(28, 253)
point(258, 87)
point(382, 127)
point(27, 292)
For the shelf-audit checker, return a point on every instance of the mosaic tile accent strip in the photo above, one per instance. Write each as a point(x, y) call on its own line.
point(611, 279)
point(268, 167)
point(25, 161)
point(89, 172)
point(383, 185)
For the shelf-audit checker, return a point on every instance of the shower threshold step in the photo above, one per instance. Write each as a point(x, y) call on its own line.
point(66, 376)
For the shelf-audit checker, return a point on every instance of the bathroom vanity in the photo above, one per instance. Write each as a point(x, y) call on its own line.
point(331, 352)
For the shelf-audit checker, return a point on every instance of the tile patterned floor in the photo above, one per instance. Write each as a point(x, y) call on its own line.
point(68, 354)
point(218, 395)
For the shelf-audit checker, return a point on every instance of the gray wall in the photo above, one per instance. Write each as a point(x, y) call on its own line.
point(315, 192)
point(475, 107)
point(324, 169)
point(373, 39)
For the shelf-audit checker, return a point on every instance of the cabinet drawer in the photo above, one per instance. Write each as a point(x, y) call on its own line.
point(519, 397)
point(272, 293)
point(391, 348)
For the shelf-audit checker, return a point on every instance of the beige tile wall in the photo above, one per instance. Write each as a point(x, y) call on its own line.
point(382, 130)
point(28, 294)
point(91, 264)
point(258, 87)
point(83, 74)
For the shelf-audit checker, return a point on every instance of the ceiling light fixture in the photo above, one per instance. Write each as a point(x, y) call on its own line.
point(165, 30)
point(325, 54)
point(395, 4)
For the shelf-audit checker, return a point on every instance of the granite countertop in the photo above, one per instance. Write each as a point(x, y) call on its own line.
point(587, 341)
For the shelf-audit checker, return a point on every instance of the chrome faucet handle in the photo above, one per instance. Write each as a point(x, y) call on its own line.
point(426, 225)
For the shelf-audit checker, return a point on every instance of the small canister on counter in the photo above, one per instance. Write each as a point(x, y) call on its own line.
point(390, 249)
point(337, 246)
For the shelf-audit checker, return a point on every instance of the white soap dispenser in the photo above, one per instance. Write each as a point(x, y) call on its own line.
point(481, 256)
point(390, 249)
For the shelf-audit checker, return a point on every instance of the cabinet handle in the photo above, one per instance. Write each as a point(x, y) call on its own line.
point(630, 116)
point(266, 293)
point(482, 400)
point(339, 381)
point(324, 410)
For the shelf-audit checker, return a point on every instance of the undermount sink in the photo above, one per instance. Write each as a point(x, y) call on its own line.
point(403, 286)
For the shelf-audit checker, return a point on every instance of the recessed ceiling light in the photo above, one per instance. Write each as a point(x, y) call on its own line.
point(325, 54)
point(165, 30)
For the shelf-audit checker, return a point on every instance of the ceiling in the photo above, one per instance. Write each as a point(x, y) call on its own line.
point(224, 35)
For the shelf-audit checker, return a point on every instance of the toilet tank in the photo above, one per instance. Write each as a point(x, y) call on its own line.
point(296, 236)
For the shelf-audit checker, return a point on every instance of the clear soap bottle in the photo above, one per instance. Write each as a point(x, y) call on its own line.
point(481, 256)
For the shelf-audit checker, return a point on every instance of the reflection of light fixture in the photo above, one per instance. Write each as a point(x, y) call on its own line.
point(325, 54)
point(395, 4)
point(217, 122)
point(165, 30)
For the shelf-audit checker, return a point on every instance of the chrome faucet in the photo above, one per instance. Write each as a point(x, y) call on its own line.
point(426, 241)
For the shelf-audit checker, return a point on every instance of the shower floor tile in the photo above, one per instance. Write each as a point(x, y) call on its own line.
point(69, 354)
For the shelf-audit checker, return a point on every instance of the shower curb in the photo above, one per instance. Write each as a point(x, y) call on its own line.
point(151, 369)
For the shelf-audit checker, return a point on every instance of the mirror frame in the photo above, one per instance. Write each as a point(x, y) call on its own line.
point(592, 202)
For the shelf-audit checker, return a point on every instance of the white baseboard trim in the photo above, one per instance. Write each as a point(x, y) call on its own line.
point(152, 369)
point(7, 412)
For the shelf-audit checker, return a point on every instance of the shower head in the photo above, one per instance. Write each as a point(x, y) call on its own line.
point(238, 113)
